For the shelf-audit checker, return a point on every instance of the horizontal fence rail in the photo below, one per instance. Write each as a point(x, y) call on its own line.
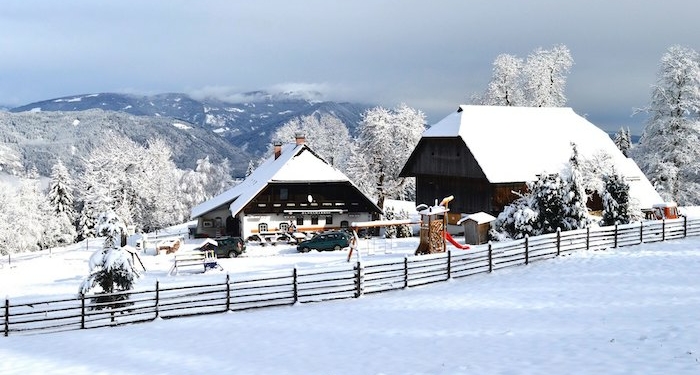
point(283, 288)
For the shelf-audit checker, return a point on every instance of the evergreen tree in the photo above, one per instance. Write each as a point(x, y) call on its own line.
point(616, 200)
point(549, 193)
point(575, 210)
point(623, 141)
point(518, 219)
point(110, 268)
point(61, 190)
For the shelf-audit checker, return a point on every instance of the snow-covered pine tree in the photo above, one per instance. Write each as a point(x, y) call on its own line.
point(549, 193)
point(403, 231)
point(518, 219)
point(61, 190)
point(623, 141)
point(616, 200)
point(111, 268)
point(668, 151)
point(575, 210)
point(389, 214)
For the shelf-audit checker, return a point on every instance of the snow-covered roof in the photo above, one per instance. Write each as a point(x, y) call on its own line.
point(296, 163)
point(479, 217)
point(515, 144)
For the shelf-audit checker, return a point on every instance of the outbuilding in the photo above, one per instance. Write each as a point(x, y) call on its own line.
point(476, 227)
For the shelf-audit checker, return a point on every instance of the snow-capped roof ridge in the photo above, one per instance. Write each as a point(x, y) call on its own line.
point(296, 163)
point(515, 144)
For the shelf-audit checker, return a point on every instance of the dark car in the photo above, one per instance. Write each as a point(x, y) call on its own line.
point(325, 241)
point(225, 247)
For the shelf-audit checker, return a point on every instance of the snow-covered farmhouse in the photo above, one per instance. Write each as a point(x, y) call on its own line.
point(295, 186)
point(481, 154)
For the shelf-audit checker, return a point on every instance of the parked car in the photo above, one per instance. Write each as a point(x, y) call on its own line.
point(225, 246)
point(325, 241)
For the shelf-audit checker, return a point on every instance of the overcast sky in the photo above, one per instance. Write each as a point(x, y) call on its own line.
point(432, 55)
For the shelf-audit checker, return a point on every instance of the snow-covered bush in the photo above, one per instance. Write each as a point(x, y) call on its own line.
point(553, 201)
point(396, 231)
point(112, 268)
point(616, 200)
point(516, 221)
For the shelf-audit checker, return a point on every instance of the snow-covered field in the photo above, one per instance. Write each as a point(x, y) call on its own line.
point(631, 310)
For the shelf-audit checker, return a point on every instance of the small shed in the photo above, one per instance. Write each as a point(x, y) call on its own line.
point(476, 227)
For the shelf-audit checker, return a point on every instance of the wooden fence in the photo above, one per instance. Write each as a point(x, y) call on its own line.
point(241, 292)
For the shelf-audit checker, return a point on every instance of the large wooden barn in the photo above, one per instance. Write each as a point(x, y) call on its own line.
point(482, 154)
point(293, 187)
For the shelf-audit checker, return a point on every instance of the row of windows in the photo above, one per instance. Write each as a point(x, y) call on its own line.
point(263, 227)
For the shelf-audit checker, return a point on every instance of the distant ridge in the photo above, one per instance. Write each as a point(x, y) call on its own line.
point(247, 122)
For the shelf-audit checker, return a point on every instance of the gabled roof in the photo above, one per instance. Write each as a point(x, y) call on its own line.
point(515, 144)
point(296, 163)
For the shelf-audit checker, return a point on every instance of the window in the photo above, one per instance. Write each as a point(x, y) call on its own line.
point(314, 220)
point(344, 224)
point(284, 227)
point(217, 222)
point(329, 219)
point(300, 220)
point(262, 227)
point(284, 194)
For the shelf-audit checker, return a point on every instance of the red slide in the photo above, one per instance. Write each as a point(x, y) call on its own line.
point(455, 243)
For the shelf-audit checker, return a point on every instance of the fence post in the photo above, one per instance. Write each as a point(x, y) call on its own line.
point(296, 285)
point(663, 229)
point(228, 292)
point(449, 264)
point(527, 250)
point(685, 226)
point(7, 316)
point(588, 238)
point(558, 241)
point(615, 235)
point(490, 257)
point(358, 280)
point(405, 272)
point(82, 311)
point(641, 232)
point(157, 298)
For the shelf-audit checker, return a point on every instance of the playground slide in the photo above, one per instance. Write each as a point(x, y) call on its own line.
point(455, 243)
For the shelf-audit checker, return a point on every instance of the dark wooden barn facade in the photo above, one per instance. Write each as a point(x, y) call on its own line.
point(444, 166)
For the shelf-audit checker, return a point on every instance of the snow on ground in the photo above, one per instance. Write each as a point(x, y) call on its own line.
point(620, 311)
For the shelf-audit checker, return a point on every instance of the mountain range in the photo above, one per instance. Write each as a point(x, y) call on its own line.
point(239, 130)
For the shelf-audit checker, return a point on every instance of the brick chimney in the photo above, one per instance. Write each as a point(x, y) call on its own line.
point(300, 138)
point(278, 149)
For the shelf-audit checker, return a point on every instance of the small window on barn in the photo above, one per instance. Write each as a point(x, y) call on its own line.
point(284, 227)
point(344, 224)
point(217, 222)
point(314, 220)
point(284, 194)
point(329, 219)
point(300, 220)
point(262, 227)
